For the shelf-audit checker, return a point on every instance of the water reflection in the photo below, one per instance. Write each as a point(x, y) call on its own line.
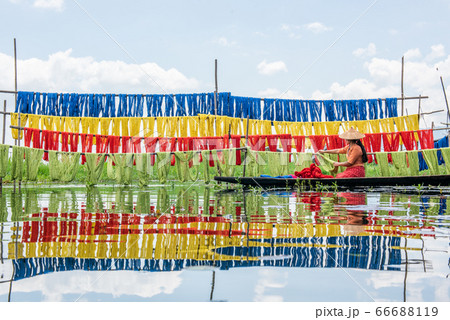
point(185, 227)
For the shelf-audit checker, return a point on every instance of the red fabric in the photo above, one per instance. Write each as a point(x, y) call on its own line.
point(114, 144)
point(426, 139)
point(391, 142)
point(86, 145)
point(36, 138)
point(49, 141)
point(150, 147)
point(168, 145)
point(65, 141)
point(317, 142)
point(27, 132)
point(272, 141)
point(408, 140)
point(334, 142)
point(257, 143)
point(357, 171)
point(236, 142)
point(286, 142)
point(299, 142)
point(126, 145)
point(73, 137)
point(102, 143)
point(312, 172)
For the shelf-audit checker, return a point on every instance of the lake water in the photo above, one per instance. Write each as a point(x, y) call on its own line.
point(198, 243)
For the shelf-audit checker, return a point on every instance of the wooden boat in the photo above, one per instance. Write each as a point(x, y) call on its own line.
point(264, 182)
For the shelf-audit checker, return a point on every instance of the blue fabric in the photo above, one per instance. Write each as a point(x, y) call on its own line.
point(122, 111)
point(181, 105)
point(315, 110)
point(277, 177)
point(110, 106)
point(169, 103)
point(442, 143)
point(374, 108)
point(330, 114)
point(391, 107)
point(362, 110)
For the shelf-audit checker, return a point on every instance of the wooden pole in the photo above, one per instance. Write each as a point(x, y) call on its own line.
point(15, 98)
point(446, 101)
point(215, 93)
point(403, 96)
point(418, 112)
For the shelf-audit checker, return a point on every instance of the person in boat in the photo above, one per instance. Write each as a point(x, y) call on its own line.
point(356, 155)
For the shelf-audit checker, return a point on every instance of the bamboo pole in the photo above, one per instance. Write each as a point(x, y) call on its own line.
point(3, 139)
point(15, 102)
point(246, 144)
point(403, 96)
point(446, 101)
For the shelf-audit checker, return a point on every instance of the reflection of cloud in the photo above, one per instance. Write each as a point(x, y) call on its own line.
point(55, 286)
point(269, 279)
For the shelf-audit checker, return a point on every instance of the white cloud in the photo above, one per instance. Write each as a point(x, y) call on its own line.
point(224, 42)
point(291, 30)
point(370, 51)
point(62, 72)
point(49, 4)
point(412, 54)
point(437, 51)
point(384, 79)
point(275, 93)
point(269, 68)
point(317, 27)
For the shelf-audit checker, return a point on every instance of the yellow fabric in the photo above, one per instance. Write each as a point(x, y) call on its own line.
point(362, 126)
point(280, 127)
point(400, 123)
point(116, 126)
point(148, 125)
point(104, 125)
point(183, 126)
point(34, 121)
point(266, 127)
point(307, 128)
point(15, 122)
point(93, 125)
point(161, 124)
point(374, 125)
point(202, 125)
point(193, 123)
point(124, 125)
point(85, 122)
point(319, 128)
point(72, 124)
point(135, 127)
point(346, 125)
point(412, 122)
point(332, 127)
point(172, 126)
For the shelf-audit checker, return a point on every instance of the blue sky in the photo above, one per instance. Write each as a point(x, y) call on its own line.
point(288, 49)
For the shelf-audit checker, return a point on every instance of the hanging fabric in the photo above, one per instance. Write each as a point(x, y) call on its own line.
point(302, 160)
point(150, 147)
point(73, 137)
point(17, 163)
point(383, 164)
point(184, 171)
point(399, 163)
point(413, 161)
point(135, 126)
point(104, 126)
point(15, 122)
point(430, 157)
point(408, 140)
point(86, 145)
point(65, 141)
point(426, 139)
point(143, 168)
point(226, 161)
point(4, 153)
point(123, 168)
point(163, 165)
point(277, 162)
point(317, 142)
point(63, 166)
point(299, 142)
point(94, 168)
point(205, 169)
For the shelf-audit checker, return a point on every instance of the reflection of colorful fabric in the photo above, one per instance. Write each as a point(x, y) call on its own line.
point(352, 172)
point(312, 171)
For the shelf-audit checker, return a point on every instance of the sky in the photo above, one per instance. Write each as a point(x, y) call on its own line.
point(350, 49)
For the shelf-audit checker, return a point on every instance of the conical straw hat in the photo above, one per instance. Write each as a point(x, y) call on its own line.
point(351, 134)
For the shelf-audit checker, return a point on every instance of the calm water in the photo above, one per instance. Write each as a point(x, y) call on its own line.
point(194, 243)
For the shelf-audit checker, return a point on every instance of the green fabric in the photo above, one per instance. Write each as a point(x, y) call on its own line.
point(430, 156)
point(302, 160)
point(446, 155)
point(206, 198)
point(32, 160)
point(251, 162)
point(326, 161)
point(413, 160)
point(205, 162)
point(399, 163)
point(63, 166)
point(4, 152)
point(162, 201)
point(182, 163)
point(277, 162)
point(17, 163)
point(144, 168)
point(94, 167)
point(143, 200)
point(383, 164)
point(3, 208)
point(123, 170)
point(163, 165)
point(226, 161)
